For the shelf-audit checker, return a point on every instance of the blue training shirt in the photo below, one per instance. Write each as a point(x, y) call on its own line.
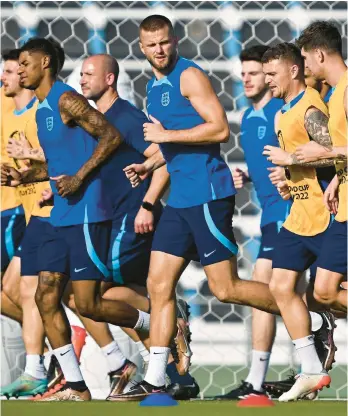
point(66, 150)
point(257, 131)
point(198, 174)
point(129, 121)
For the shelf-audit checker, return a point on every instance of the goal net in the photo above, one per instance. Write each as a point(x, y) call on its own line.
point(212, 33)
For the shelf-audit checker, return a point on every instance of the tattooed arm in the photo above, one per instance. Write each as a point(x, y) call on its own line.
point(13, 177)
point(316, 124)
point(75, 110)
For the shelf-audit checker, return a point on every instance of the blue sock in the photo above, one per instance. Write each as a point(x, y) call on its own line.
point(175, 377)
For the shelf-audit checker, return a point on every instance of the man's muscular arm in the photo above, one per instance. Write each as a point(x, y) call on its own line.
point(75, 109)
point(316, 124)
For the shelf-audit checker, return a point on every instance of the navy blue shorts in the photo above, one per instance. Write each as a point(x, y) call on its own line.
point(333, 255)
point(129, 253)
point(78, 251)
point(269, 238)
point(202, 233)
point(12, 231)
point(30, 245)
point(296, 252)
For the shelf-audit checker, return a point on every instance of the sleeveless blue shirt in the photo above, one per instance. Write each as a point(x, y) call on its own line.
point(257, 131)
point(66, 150)
point(198, 174)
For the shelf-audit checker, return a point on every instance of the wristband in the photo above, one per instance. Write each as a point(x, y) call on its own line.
point(148, 206)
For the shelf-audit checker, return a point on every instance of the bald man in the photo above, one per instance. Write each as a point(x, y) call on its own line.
point(135, 213)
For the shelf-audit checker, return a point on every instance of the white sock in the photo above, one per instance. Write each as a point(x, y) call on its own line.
point(68, 362)
point(114, 356)
point(143, 323)
point(317, 321)
point(310, 363)
point(156, 373)
point(143, 351)
point(258, 369)
point(34, 366)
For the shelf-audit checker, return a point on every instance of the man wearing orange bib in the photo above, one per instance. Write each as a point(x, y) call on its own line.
point(20, 279)
point(321, 47)
point(302, 118)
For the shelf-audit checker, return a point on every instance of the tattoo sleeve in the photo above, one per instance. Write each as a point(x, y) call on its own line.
point(316, 124)
point(38, 172)
point(75, 109)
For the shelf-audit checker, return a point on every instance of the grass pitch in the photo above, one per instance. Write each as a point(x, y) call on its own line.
point(195, 408)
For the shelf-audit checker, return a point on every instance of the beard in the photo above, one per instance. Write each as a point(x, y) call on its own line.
point(170, 62)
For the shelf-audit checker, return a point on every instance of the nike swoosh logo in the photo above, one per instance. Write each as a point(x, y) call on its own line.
point(268, 249)
point(79, 270)
point(329, 326)
point(158, 353)
point(63, 353)
point(209, 254)
point(263, 359)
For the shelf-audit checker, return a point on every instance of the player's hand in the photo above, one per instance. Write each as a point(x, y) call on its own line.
point(277, 175)
point(46, 198)
point(136, 173)
point(331, 196)
point(239, 178)
point(284, 190)
point(154, 132)
point(310, 152)
point(10, 176)
point(277, 155)
point(16, 148)
point(67, 185)
point(144, 221)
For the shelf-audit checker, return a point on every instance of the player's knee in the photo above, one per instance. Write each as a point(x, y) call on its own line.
point(279, 288)
point(88, 308)
point(162, 288)
point(46, 299)
point(227, 293)
point(324, 297)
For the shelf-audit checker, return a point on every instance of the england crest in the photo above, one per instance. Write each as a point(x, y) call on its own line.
point(49, 123)
point(165, 100)
point(261, 132)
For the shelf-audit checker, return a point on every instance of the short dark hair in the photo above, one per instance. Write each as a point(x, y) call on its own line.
point(47, 48)
point(254, 53)
point(155, 22)
point(286, 51)
point(10, 55)
point(321, 35)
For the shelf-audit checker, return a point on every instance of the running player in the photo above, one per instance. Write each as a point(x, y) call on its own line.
point(321, 47)
point(76, 241)
point(257, 130)
point(12, 213)
point(132, 228)
point(18, 124)
point(189, 123)
point(304, 117)
point(321, 322)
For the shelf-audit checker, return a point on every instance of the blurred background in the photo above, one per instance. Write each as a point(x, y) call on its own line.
point(212, 34)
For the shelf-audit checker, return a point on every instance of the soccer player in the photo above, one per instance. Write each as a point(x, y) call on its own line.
point(257, 130)
point(321, 47)
point(303, 118)
point(189, 123)
point(20, 126)
point(19, 123)
point(135, 211)
point(76, 240)
point(12, 213)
